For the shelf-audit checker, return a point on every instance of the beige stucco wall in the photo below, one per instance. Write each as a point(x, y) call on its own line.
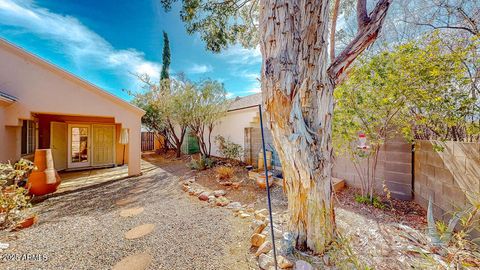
point(43, 88)
point(232, 127)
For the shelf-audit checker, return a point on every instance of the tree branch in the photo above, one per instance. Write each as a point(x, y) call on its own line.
point(362, 16)
point(366, 35)
point(333, 30)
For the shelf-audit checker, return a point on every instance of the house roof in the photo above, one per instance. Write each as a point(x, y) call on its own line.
point(7, 98)
point(245, 102)
point(65, 74)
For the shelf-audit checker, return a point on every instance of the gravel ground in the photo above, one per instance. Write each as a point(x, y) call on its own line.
point(84, 230)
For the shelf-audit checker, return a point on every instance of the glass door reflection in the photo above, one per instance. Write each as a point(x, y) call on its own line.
point(79, 145)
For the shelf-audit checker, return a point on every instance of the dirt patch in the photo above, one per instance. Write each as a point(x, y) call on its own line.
point(396, 211)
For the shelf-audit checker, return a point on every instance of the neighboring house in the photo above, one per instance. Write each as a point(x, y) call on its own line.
point(241, 125)
point(43, 106)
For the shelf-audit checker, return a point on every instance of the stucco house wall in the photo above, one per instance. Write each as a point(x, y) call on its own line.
point(232, 127)
point(42, 88)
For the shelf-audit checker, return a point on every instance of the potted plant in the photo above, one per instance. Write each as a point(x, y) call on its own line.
point(14, 199)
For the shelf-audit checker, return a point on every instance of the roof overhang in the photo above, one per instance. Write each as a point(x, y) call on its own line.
point(6, 99)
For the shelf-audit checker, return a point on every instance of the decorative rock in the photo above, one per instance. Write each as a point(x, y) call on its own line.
point(265, 261)
point(283, 262)
point(139, 261)
point(257, 239)
point(244, 215)
point(198, 192)
point(250, 210)
point(191, 191)
point(131, 212)
point(222, 201)
point(211, 199)
point(303, 265)
point(260, 216)
point(185, 188)
point(258, 226)
point(262, 211)
point(219, 193)
point(203, 196)
point(235, 206)
point(139, 231)
point(264, 248)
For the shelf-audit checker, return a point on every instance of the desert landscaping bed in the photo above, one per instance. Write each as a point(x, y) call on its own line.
point(384, 237)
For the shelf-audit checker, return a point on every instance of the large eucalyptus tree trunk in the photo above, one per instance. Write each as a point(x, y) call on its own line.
point(297, 85)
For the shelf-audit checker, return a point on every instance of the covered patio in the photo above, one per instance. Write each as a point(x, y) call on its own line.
point(50, 108)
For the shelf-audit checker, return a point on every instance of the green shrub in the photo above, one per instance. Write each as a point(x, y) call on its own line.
point(366, 200)
point(14, 200)
point(228, 149)
point(201, 164)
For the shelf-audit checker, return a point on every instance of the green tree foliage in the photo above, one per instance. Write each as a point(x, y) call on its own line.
point(220, 23)
point(165, 58)
point(174, 105)
point(168, 107)
point(210, 104)
point(419, 90)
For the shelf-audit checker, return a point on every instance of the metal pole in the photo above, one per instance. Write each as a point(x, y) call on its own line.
point(268, 187)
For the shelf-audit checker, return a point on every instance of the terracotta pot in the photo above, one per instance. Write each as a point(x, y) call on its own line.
point(261, 180)
point(27, 222)
point(44, 179)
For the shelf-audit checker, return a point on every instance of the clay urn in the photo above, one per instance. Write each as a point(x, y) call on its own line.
point(44, 179)
point(261, 180)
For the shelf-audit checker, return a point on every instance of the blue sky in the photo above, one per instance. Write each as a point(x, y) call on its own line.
point(105, 41)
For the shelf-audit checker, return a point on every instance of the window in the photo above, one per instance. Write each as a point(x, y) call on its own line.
point(28, 137)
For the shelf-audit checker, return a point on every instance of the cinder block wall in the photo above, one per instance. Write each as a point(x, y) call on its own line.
point(449, 173)
point(394, 168)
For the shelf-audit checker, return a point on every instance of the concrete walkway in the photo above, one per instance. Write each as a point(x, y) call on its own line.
point(145, 222)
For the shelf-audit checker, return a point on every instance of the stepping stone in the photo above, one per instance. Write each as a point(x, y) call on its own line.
point(125, 201)
point(130, 212)
point(139, 261)
point(139, 231)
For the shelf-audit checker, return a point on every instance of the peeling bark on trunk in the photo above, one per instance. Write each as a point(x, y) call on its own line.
point(298, 98)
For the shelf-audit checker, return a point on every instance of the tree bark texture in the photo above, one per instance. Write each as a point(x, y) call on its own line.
point(298, 96)
point(297, 85)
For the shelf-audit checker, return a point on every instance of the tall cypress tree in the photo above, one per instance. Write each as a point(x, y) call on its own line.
point(165, 57)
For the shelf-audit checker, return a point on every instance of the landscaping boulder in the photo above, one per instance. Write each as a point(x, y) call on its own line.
point(303, 265)
point(219, 193)
point(257, 239)
point(185, 187)
point(264, 248)
point(283, 262)
point(235, 206)
point(258, 225)
point(260, 216)
point(262, 211)
point(265, 262)
point(222, 201)
point(203, 196)
point(211, 199)
point(244, 215)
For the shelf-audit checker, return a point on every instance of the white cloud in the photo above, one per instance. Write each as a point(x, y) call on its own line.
point(199, 69)
point(237, 54)
point(77, 41)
